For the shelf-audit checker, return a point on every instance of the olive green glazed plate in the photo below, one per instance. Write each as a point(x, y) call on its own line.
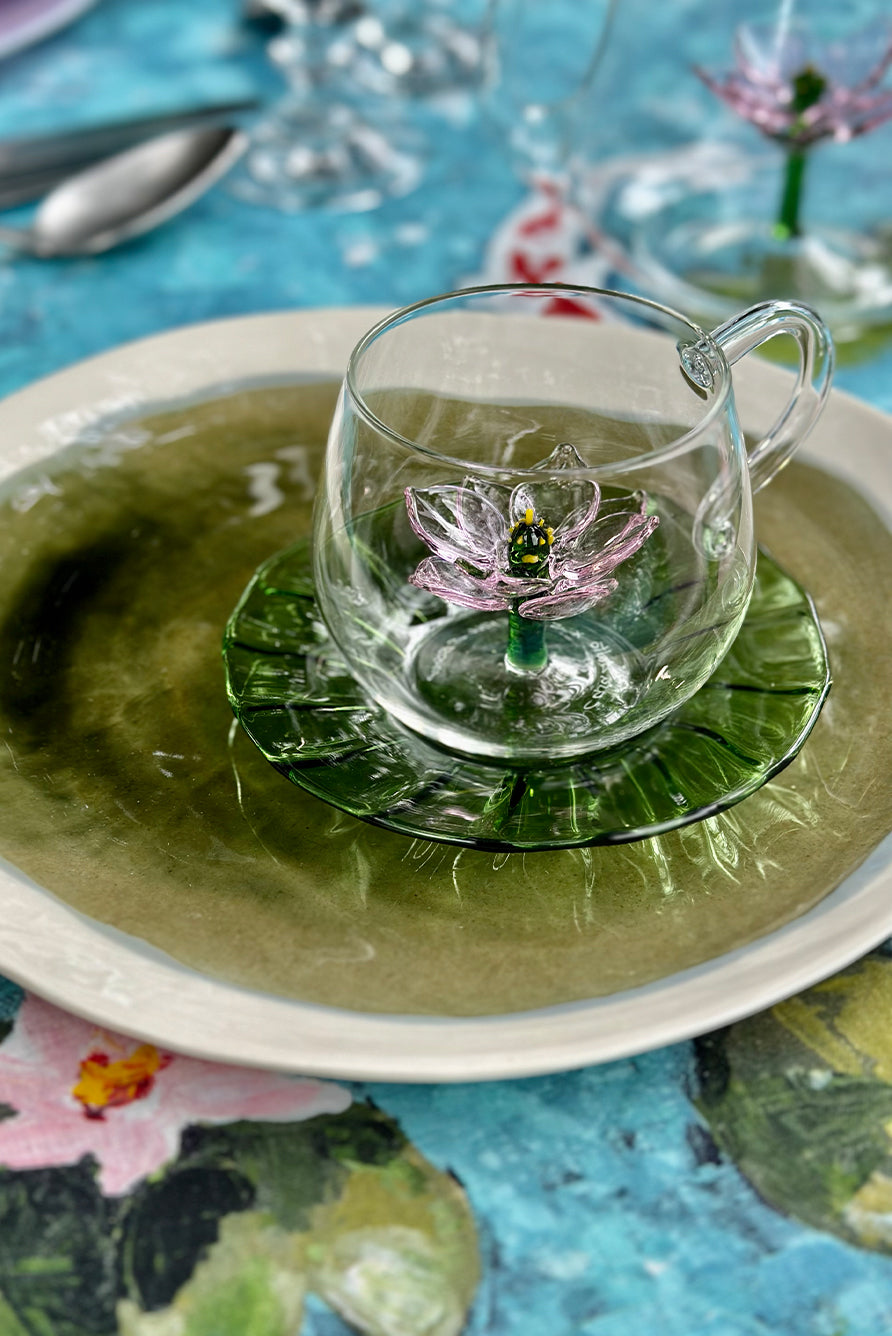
point(161, 878)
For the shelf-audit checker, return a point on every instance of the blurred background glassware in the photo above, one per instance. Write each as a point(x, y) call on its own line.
point(708, 252)
point(455, 410)
point(428, 49)
point(808, 217)
point(330, 142)
point(539, 74)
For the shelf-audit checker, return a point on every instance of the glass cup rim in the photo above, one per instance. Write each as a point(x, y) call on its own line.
point(663, 452)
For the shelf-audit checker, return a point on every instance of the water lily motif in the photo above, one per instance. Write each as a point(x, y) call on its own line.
point(799, 91)
point(545, 550)
point(74, 1090)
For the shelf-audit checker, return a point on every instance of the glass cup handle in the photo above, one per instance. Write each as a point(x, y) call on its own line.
point(745, 332)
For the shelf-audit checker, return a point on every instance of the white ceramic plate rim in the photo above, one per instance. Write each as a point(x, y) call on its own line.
point(121, 982)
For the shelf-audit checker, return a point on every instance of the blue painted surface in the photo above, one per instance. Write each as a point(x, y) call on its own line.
point(604, 1213)
point(602, 1206)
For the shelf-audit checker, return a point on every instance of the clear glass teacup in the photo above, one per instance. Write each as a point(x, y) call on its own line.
point(534, 536)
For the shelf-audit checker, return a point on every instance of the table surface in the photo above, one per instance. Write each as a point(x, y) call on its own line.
point(609, 1201)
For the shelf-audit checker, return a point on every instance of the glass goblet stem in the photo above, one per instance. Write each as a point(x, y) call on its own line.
point(791, 197)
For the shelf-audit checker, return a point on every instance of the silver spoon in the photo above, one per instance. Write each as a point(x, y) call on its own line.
point(129, 193)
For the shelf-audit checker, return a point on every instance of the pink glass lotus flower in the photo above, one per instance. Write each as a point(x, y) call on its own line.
point(799, 91)
point(543, 550)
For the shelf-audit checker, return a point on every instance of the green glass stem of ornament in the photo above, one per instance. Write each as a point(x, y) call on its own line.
point(788, 220)
point(527, 650)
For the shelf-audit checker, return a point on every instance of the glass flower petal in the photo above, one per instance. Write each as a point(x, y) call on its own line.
point(483, 513)
point(567, 602)
point(769, 62)
point(608, 542)
point(439, 516)
point(510, 588)
point(567, 505)
point(495, 492)
point(455, 585)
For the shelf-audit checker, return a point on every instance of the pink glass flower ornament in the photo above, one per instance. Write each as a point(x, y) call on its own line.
point(540, 551)
point(799, 92)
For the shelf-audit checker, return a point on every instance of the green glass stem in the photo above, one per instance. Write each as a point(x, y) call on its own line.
point(527, 651)
point(787, 224)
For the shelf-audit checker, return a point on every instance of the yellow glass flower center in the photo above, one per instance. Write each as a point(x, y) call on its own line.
point(529, 544)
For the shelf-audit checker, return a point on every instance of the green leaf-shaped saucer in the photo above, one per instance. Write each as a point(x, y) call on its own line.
point(296, 699)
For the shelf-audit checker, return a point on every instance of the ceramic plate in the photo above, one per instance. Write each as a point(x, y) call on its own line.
point(23, 22)
point(125, 983)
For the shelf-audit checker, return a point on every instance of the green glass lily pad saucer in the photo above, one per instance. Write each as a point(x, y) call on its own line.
point(296, 699)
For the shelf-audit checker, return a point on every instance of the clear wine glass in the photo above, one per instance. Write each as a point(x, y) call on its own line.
point(539, 72)
point(330, 141)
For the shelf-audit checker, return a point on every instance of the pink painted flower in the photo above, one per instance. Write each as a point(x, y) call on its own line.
point(545, 550)
point(78, 1090)
point(799, 91)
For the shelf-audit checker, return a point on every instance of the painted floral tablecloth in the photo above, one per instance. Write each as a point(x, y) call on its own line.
point(738, 1185)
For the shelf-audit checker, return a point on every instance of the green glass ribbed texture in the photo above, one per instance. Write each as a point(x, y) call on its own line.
point(296, 699)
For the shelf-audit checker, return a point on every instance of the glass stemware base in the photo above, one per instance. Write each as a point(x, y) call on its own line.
point(295, 697)
point(711, 251)
point(591, 673)
point(307, 156)
point(715, 267)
